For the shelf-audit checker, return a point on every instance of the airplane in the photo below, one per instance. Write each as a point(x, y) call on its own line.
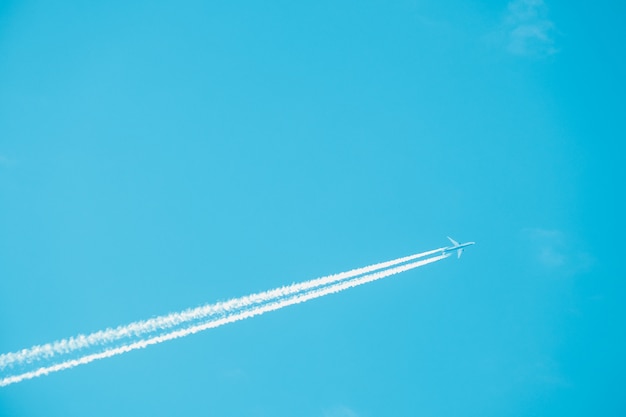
point(458, 247)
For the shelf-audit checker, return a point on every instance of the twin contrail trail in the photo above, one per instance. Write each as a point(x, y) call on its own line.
point(141, 334)
point(139, 328)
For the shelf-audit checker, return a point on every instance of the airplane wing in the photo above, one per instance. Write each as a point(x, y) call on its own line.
point(458, 253)
point(454, 242)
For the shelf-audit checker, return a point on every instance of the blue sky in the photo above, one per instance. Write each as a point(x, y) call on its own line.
point(157, 156)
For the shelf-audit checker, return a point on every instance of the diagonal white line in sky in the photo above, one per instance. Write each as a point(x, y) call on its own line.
point(240, 315)
point(139, 328)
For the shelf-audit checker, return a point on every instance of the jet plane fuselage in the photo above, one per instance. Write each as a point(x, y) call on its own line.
point(458, 247)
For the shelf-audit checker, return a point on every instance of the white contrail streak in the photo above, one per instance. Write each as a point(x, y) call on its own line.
point(241, 315)
point(140, 328)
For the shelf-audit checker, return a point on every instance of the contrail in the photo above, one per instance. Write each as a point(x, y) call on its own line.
point(241, 315)
point(139, 328)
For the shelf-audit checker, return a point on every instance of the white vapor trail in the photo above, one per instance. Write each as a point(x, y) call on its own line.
point(252, 311)
point(140, 328)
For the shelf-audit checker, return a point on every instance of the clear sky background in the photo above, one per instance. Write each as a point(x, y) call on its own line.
point(156, 156)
